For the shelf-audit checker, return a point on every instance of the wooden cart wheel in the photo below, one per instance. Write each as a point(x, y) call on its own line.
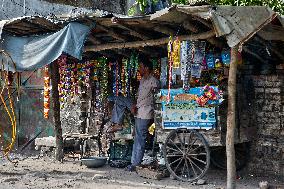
point(187, 154)
point(218, 156)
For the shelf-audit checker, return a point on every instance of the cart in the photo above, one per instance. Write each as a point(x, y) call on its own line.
point(188, 149)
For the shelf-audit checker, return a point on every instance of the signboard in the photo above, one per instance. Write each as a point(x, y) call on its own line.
point(185, 115)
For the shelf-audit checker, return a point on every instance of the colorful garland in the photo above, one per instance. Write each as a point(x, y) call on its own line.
point(46, 94)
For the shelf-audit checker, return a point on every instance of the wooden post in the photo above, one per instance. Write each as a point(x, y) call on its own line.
point(54, 70)
point(231, 121)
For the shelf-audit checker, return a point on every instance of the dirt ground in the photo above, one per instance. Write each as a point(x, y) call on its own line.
point(33, 172)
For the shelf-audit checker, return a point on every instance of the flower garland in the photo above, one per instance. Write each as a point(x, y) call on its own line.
point(46, 94)
point(65, 79)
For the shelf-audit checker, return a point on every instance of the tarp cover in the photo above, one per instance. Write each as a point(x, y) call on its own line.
point(30, 53)
point(236, 24)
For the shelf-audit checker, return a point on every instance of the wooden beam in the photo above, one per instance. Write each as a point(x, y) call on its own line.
point(148, 52)
point(94, 40)
point(272, 33)
point(131, 31)
point(214, 41)
point(204, 22)
point(112, 33)
point(273, 49)
point(152, 42)
point(253, 54)
point(189, 26)
point(164, 30)
point(231, 120)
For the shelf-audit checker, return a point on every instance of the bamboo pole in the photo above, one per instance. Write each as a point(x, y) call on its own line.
point(152, 42)
point(231, 120)
point(54, 70)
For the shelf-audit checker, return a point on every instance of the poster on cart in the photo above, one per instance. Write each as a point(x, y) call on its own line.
point(185, 115)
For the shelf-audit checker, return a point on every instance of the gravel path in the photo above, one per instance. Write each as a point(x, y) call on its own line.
point(45, 173)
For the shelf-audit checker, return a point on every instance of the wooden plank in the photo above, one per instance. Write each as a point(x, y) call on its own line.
point(153, 42)
point(112, 33)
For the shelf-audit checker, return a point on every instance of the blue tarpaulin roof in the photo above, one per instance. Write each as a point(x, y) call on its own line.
point(30, 53)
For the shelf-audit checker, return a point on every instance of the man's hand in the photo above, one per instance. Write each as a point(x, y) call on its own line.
point(134, 109)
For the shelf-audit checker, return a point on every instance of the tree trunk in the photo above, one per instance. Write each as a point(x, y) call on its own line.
point(231, 121)
point(55, 78)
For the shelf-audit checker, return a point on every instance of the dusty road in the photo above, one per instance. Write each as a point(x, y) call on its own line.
point(44, 173)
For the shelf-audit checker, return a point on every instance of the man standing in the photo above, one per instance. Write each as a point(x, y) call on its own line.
point(144, 109)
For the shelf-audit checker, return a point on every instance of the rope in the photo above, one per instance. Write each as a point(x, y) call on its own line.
point(9, 110)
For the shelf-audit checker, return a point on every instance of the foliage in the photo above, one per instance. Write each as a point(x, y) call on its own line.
point(276, 5)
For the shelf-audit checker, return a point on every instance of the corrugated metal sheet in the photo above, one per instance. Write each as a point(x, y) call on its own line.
point(237, 24)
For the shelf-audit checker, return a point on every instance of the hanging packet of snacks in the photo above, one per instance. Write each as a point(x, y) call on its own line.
point(83, 73)
point(210, 60)
point(207, 93)
point(198, 54)
point(218, 63)
point(226, 57)
point(176, 53)
point(46, 93)
point(186, 60)
point(164, 73)
point(171, 59)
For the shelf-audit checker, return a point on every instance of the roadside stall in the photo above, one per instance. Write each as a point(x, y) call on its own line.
point(192, 49)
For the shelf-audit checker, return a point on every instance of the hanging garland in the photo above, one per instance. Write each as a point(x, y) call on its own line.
point(65, 79)
point(46, 94)
point(156, 67)
point(103, 78)
point(83, 73)
point(170, 58)
point(123, 77)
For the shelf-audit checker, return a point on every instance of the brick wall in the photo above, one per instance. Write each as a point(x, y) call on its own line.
point(267, 152)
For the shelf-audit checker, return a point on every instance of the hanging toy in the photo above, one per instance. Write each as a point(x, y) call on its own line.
point(208, 93)
point(46, 94)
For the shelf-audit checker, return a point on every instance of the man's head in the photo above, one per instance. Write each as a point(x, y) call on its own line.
point(145, 65)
